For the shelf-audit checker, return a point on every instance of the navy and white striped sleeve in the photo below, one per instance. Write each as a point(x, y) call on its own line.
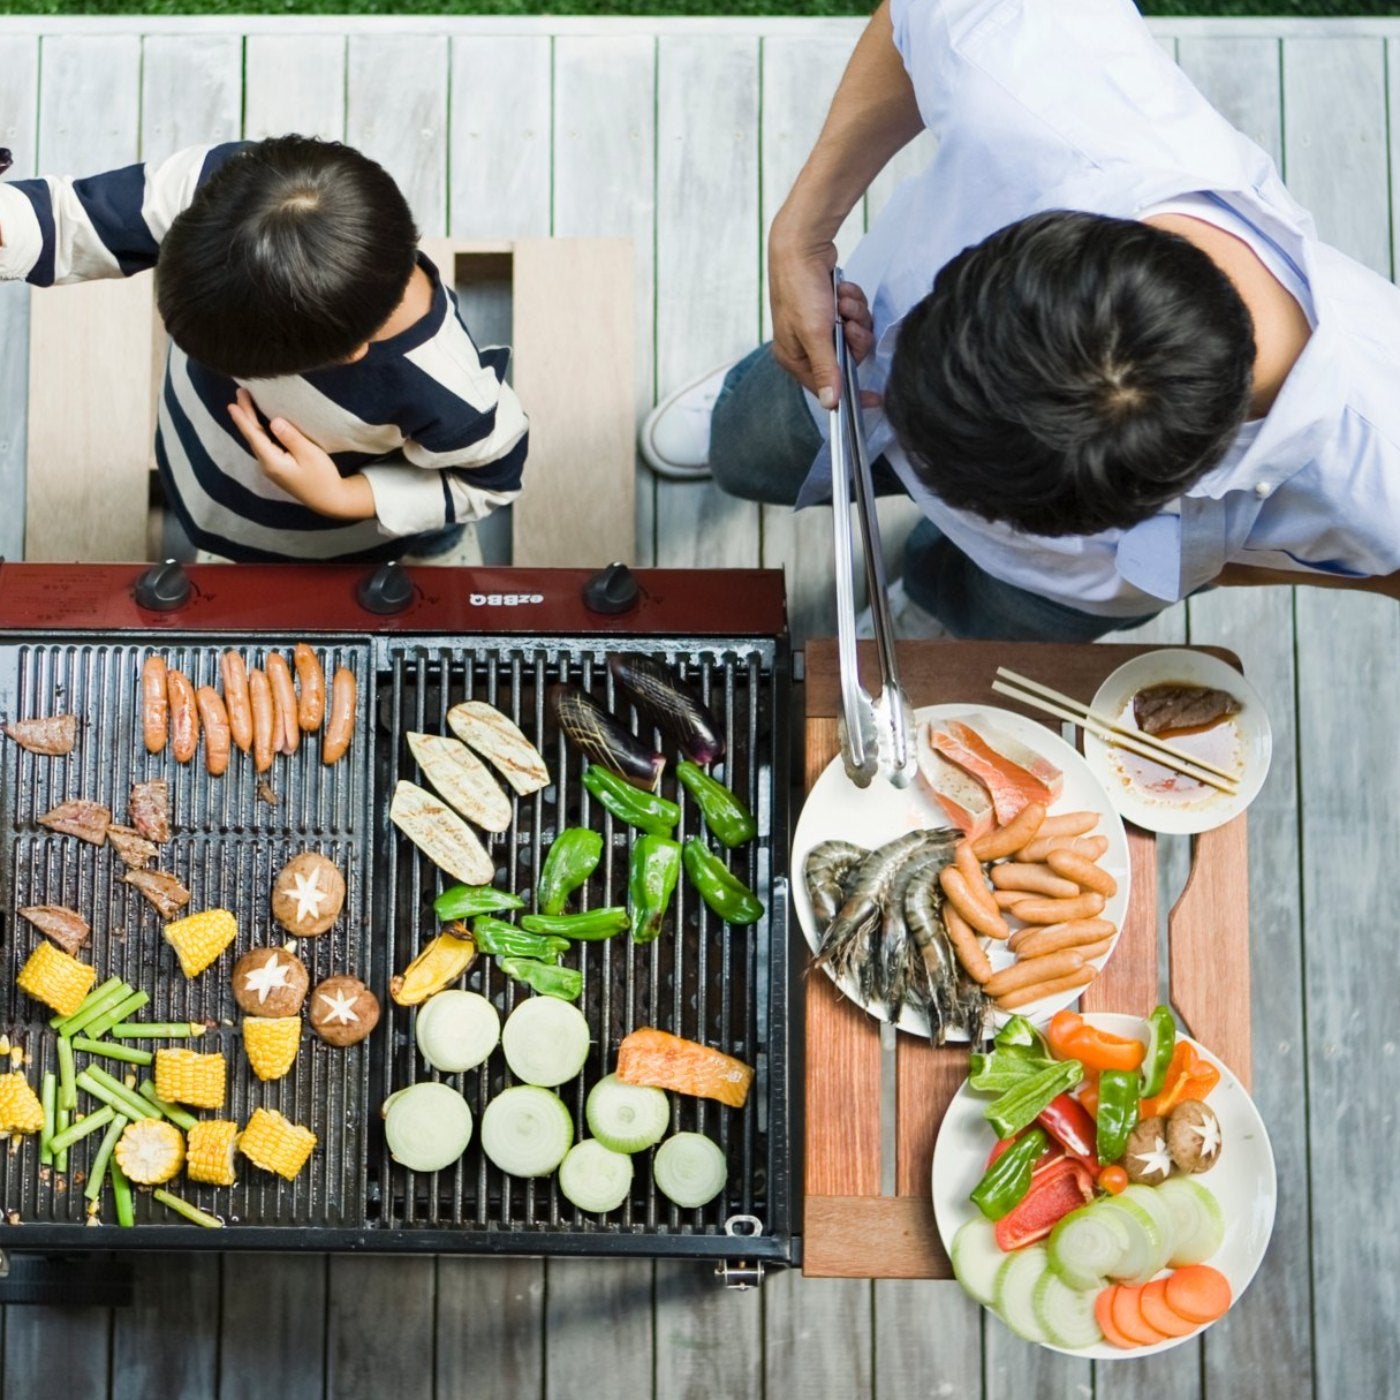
point(55, 230)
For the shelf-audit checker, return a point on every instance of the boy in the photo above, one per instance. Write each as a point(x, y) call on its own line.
point(1137, 369)
point(322, 397)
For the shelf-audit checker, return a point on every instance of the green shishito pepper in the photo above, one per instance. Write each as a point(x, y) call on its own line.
point(1009, 1177)
point(592, 925)
point(651, 881)
point(1022, 1103)
point(645, 810)
point(467, 901)
point(572, 858)
point(1161, 1043)
point(501, 939)
point(1119, 1090)
point(566, 983)
point(724, 892)
point(725, 815)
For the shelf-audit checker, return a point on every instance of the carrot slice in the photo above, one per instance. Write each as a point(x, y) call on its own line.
point(1128, 1318)
point(1199, 1293)
point(1157, 1312)
point(1103, 1314)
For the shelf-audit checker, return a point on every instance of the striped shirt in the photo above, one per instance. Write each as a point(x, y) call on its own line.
point(426, 417)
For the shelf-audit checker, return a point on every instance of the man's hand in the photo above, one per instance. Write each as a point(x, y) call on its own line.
point(300, 468)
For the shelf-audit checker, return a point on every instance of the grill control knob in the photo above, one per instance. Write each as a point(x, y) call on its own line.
point(611, 590)
point(163, 587)
point(389, 589)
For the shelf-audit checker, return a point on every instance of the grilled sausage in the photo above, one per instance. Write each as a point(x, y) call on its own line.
point(1082, 872)
point(155, 705)
point(236, 700)
point(1059, 911)
point(184, 719)
point(260, 701)
point(311, 687)
point(984, 920)
point(1025, 995)
point(286, 732)
point(341, 723)
point(214, 718)
point(1023, 828)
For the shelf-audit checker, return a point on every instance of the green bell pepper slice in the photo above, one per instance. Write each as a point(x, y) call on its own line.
point(651, 881)
point(725, 815)
point(1022, 1103)
point(1019, 1037)
point(1001, 1070)
point(1008, 1179)
point(572, 858)
point(1161, 1042)
point(1117, 1112)
point(644, 810)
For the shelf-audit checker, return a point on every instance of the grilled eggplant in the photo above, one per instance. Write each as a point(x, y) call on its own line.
point(441, 835)
point(462, 779)
point(601, 738)
point(54, 736)
point(66, 927)
point(672, 706)
point(88, 821)
point(500, 743)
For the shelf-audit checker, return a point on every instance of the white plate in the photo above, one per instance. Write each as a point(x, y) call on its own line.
point(1157, 798)
point(1242, 1181)
point(836, 809)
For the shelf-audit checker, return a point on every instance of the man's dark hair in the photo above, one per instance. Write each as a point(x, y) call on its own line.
point(290, 257)
point(1072, 373)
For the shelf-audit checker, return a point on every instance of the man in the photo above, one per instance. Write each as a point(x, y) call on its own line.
point(1102, 347)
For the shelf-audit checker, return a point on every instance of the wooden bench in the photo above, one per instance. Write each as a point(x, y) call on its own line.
point(96, 364)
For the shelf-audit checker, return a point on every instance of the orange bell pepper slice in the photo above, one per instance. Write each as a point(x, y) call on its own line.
point(1188, 1077)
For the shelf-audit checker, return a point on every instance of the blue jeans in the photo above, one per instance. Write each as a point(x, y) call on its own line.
point(762, 441)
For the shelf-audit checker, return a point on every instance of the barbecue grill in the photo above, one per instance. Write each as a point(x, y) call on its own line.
point(73, 639)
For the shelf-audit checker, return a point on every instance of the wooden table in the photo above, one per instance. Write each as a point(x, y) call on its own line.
point(850, 1228)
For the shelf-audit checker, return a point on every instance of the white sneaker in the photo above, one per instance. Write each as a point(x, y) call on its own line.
point(675, 438)
point(911, 622)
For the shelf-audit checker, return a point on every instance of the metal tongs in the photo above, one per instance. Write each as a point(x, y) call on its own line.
point(876, 735)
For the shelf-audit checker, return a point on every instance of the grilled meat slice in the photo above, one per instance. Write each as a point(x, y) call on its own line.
point(150, 809)
point(1170, 708)
point(132, 847)
point(88, 821)
point(54, 736)
point(66, 927)
point(164, 891)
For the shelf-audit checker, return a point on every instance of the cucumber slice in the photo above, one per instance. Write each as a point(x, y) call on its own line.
point(1015, 1291)
point(427, 1126)
point(626, 1117)
point(526, 1131)
point(1147, 1246)
point(456, 1030)
point(977, 1259)
point(1198, 1223)
point(1161, 1213)
point(690, 1170)
point(1086, 1247)
point(1065, 1314)
point(594, 1178)
point(546, 1041)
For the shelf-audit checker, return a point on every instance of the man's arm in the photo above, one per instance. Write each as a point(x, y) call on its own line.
point(873, 115)
point(1243, 576)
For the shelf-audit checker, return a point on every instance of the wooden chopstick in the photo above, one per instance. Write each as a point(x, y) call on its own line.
point(1115, 735)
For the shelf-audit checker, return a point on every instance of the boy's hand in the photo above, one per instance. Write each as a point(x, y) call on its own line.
point(300, 467)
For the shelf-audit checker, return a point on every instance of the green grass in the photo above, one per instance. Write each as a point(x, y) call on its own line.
point(627, 7)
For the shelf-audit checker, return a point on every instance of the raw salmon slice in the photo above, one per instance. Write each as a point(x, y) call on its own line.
point(665, 1061)
point(1011, 787)
point(1008, 746)
point(965, 802)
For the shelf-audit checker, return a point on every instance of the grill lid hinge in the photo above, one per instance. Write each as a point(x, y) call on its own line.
point(741, 1274)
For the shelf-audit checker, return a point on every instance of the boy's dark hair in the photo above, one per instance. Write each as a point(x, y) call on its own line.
point(290, 257)
point(1072, 373)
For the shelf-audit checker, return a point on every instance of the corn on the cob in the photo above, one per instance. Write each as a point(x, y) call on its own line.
point(186, 1076)
point(198, 939)
point(20, 1109)
point(213, 1144)
point(271, 1043)
point(150, 1151)
point(276, 1144)
point(56, 979)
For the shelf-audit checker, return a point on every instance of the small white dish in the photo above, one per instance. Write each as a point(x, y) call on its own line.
point(1157, 798)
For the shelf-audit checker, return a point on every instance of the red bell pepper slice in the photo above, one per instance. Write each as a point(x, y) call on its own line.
point(1056, 1189)
point(1069, 1123)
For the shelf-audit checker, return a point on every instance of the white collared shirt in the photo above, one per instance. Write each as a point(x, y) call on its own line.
point(1070, 104)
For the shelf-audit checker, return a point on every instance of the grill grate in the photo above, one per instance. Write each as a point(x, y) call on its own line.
point(706, 982)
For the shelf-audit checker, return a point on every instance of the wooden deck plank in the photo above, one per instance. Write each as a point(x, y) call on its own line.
point(273, 1323)
point(604, 143)
point(707, 281)
point(817, 1337)
point(598, 1322)
point(396, 111)
point(56, 1352)
point(490, 1337)
point(928, 1340)
point(167, 1341)
point(19, 104)
point(709, 1339)
point(295, 83)
point(191, 92)
point(380, 1324)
